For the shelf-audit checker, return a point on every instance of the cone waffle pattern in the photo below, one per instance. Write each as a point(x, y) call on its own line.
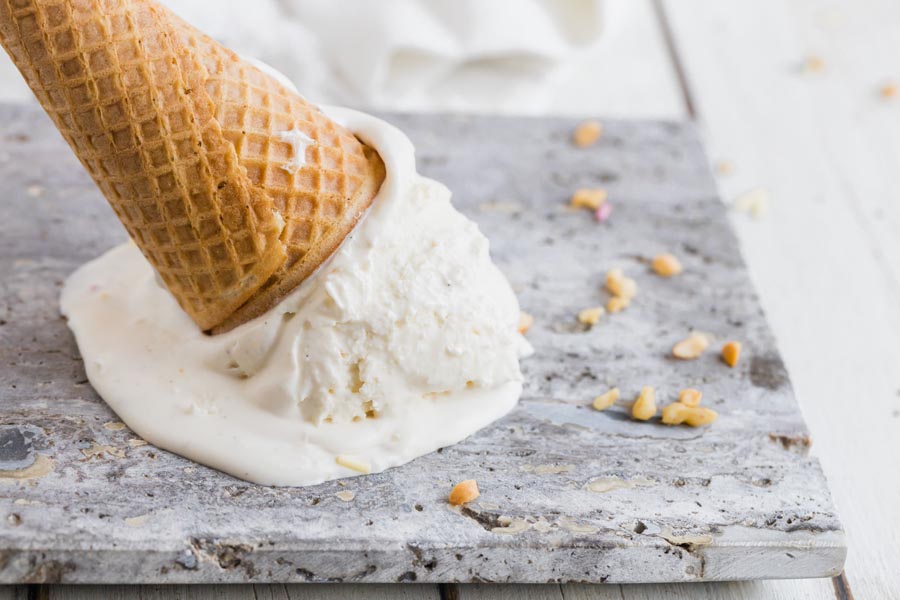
point(183, 139)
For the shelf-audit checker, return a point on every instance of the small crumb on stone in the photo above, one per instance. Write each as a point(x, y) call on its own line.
point(345, 495)
point(889, 91)
point(645, 406)
point(590, 316)
point(35, 191)
point(731, 353)
point(463, 492)
point(114, 426)
point(602, 214)
point(607, 399)
point(691, 347)
point(619, 285)
point(617, 304)
point(136, 442)
point(666, 265)
point(587, 133)
point(690, 397)
point(590, 198)
point(525, 322)
point(693, 416)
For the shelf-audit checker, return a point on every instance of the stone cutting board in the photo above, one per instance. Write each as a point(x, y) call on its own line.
point(568, 493)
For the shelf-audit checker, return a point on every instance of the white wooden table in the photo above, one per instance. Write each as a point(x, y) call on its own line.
point(826, 258)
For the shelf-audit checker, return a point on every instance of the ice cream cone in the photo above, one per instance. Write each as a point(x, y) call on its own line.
point(234, 187)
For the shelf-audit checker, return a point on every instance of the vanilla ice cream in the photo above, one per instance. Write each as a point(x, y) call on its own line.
point(403, 342)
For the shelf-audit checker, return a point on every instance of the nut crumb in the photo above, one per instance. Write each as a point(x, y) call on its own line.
point(754, 202)
point(353, 464)
point(691, 347)
point(731, 353)
point(607, 399)
point(666, 265)
point(345, 495)
point(889, 91)
point(463, 492)
point(35, 191)
point(590, 198)
point(694, 416)
point(617, 304)
point(525, 322)
point(813, 64)
point(590, 316)
point(724, 167)
point(619, 285)
point(645, 406)
point(587, 133)
point(690, 397)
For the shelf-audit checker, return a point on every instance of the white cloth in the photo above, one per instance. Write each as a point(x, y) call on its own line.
point(498, 55)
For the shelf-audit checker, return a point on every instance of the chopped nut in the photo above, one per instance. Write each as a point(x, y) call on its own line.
point(619, 285)
point(35, 190)
point(590, 316)
point(690, 348)
point(353, 463)
point(587, 133)
point(464, 491)
point(690, 397)
point(694, 416)
point(645, 406)
point(813, 64)
point(592, 198)
point(755, 202)
point(617, 304)
point(731, 353)
point(607, 399)
point(525, 322)
point(724, 167)
point(666, 265)
point(889, 91)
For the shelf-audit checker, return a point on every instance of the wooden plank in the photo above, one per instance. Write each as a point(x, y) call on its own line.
point(811, 589)
point(567, 492)
point(242, 592)
point(13, 592)
point(827, 260)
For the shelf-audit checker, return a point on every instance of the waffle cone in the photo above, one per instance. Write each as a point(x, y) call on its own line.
point(187, 142)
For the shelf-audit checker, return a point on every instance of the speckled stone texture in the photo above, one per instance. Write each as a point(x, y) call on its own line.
point(568, 493)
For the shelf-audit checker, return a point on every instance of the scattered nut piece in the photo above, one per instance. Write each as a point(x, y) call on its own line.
point(353, 463)
point(617, 304)
point(813, 64)
point(34, 191)
point(587, 133)
point(645, 406)
point(619, 285)
point(590, 316)
point(666, 265)
point(724, 167)
point(691, 347)
point(731, 353)
point(591, 198)
point(694, 416)
point(889, 91)
point(690, 397)
point(607, 399)
point(464, 491)
point(755, 202)
point(525, 322)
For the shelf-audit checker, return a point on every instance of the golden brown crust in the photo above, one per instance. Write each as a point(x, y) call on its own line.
point(180, 135)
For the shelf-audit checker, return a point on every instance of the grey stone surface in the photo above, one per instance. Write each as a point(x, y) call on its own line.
point(568, 493)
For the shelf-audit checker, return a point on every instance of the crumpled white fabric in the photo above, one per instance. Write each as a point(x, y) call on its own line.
point(500, 55)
